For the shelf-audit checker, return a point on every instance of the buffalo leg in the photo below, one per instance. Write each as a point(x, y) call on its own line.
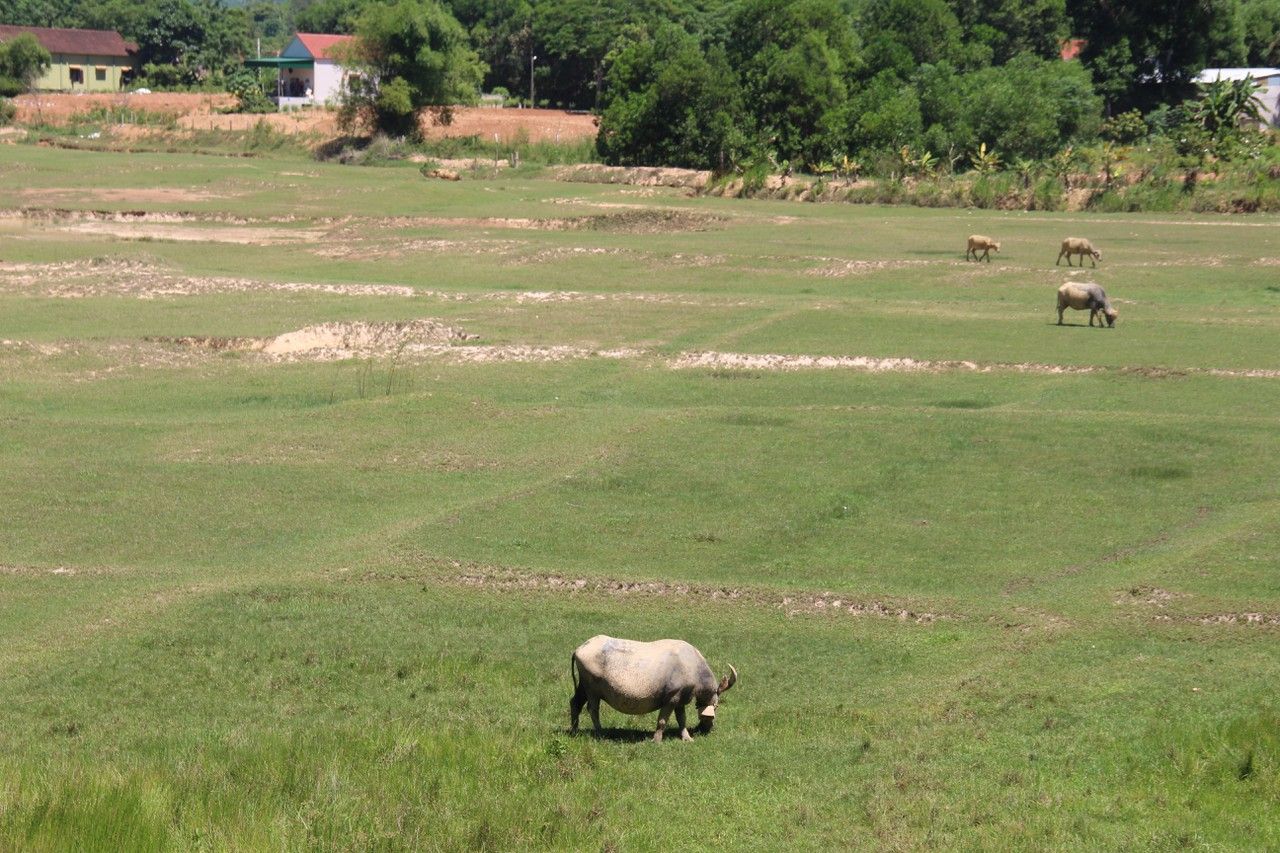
point(684, 728)
point(593, 708)
point(575, 707)
point(662, 723)
point(1060, 309)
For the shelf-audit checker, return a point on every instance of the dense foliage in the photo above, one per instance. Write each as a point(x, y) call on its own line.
point(743, 83)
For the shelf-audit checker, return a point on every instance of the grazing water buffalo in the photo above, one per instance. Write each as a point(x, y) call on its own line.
point(978, 243)
point(638, 678)
point(1078, 246)
point(1085, 294)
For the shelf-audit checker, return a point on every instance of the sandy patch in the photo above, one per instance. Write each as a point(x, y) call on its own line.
point(746, 361)
point(631, 221)
point(1267, 619)
point(415, 340)
point(241, 235)
point(146, 225)
point(633, 175)
point(777, 362)
point(1151, 596)
point(335, 341)
point(793, 604)
point(143, 280)
point(841, 269)
point(138, 195)
point(362, 250)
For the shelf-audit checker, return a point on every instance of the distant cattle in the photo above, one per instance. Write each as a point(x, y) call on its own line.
point(1078, 246)
point(639, 678)
point(978, 243)
point(1082, 295)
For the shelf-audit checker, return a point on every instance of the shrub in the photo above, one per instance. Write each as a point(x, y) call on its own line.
point(7, 111)
point(1124, 128)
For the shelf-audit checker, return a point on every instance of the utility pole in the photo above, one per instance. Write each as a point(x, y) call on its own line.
point(532, 103)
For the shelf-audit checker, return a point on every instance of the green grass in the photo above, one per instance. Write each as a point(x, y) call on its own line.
point(261, 606)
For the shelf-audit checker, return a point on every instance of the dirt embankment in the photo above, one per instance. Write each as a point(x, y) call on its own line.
point(208, 111)
point(637, 176)
point(60, 107)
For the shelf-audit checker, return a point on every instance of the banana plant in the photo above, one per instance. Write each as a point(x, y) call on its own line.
point(984, 161)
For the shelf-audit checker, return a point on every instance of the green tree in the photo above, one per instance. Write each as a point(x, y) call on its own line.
point(795, 59)
point(883, 116)
point(502, 32)
point(415, 57)
point(667, 103)
point(1261, 21)
point(329, 16)
point(1147, 52)
point(1030, 107)
point(1010, 27)
point(22, 61)
point(574, 37)
point(903, 34)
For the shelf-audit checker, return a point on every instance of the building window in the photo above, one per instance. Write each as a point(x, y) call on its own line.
point(77, 75)
point(99, 73)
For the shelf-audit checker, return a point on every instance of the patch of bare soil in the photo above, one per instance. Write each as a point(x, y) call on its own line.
point(1271, 620)
point(364, 250)
point(147, 225)
point(765, 361)
point(145, 280)
point(746, 361)
point(640, 220)
point(57, 107)
point(235, 234)
point(840, 269)
point(136, 195)
point(203, 112)
point(642, 176)
point(1152, 596)
point(649, 221)
point(793, 604)
point(335, 341)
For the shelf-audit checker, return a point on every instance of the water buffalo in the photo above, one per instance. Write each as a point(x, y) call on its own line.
point(1082, 295)
point(638, 678)
point(979, 243)
point(1078, 246)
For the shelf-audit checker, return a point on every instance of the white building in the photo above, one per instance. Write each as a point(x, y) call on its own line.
point(1268, 96)
point(308, 69)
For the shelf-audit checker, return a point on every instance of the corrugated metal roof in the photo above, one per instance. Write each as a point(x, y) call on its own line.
point(320, 45)
point(1211, 74)
point(59, 40)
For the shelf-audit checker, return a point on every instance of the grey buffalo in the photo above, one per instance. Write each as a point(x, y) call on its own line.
point(639, 678)
point(1085, 295)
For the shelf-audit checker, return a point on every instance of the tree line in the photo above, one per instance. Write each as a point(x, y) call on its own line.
point(713, 83)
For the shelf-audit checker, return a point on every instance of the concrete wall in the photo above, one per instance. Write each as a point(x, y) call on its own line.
point(329, 81)
point(58, 77)
point(1270, 99)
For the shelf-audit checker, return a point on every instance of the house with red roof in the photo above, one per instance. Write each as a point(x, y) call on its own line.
point(83, 60)
point(309, 69)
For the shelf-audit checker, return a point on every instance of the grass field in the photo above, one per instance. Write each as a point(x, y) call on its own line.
point(1021, 591)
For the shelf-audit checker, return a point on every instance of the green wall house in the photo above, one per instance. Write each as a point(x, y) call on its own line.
point(83, 60)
